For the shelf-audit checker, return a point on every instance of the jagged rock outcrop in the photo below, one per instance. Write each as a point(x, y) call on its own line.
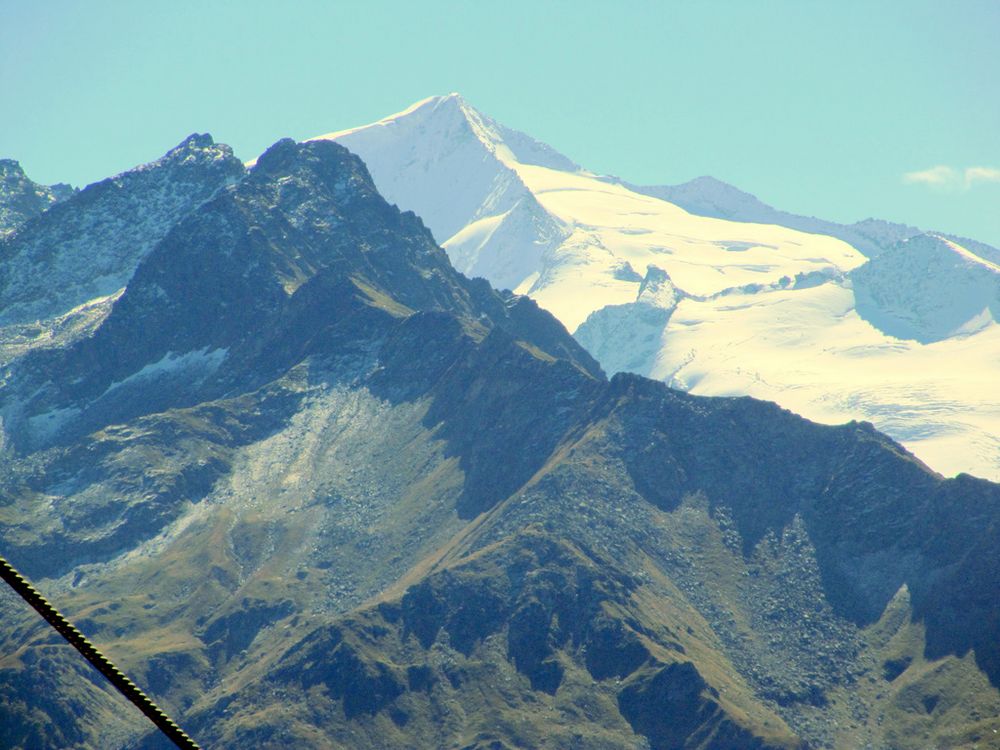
point(22, 199)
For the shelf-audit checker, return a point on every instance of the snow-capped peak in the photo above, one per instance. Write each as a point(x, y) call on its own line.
point(430, 159)
point(459, 171)
point(451, 113)
point(448, 162)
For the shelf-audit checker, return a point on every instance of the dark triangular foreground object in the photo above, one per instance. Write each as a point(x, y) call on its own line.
point(79, 641)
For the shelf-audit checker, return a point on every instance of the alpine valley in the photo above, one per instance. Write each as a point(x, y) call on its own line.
point(312, 487)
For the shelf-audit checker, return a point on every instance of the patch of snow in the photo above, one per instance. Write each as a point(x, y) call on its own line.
point(60, 331)
point(201, 363)
point(47, 425)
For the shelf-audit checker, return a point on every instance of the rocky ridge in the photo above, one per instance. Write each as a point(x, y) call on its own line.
point(88, 245)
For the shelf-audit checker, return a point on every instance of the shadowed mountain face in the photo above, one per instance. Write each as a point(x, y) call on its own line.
point(313, 488)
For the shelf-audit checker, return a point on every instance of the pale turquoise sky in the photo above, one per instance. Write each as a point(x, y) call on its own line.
point(815, 107)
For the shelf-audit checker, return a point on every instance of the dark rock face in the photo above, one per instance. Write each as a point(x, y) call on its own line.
point(614, 649)
point(230, 634)
point(674, 707)
point(319, 490)
point(340, 668)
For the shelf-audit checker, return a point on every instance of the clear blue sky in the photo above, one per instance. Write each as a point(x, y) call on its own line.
point(816, 107)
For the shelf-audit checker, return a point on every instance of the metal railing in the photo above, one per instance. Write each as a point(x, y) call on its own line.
point(100, 662)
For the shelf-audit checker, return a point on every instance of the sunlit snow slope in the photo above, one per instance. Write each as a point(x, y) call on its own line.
point(906, 340)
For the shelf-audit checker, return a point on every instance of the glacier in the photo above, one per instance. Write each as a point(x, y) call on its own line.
point(873, 321)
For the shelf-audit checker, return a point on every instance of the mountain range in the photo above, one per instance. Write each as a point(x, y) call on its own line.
point(875, 321)
point(310, 486)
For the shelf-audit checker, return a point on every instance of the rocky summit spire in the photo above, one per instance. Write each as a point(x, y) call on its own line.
point(22, 199)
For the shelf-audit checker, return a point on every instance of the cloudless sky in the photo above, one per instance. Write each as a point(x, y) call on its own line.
point(815, 107)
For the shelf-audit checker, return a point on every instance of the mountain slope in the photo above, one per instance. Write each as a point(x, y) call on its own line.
point(313, 488)
point(928, 289)
point(770, 304)
point(707, 196)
